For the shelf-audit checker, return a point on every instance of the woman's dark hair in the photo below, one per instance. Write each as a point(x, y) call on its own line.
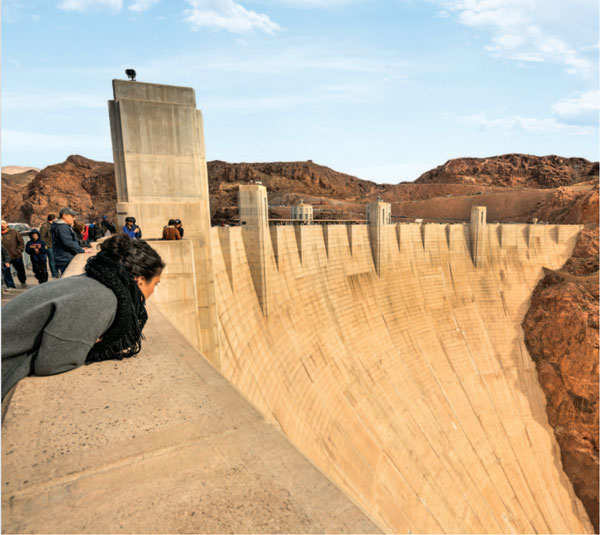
point(171, 222)
point(138, 258)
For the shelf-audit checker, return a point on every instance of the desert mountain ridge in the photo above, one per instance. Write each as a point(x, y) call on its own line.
point(547, 185)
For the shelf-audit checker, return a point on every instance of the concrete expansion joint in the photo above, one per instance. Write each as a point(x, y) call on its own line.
point(138, 458)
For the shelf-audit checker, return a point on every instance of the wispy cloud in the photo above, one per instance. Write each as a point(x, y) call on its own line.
point(142, 5)
point(527, 124)
point(84, 5)
point(227, 15)
point(533, 30)
point(582, 109)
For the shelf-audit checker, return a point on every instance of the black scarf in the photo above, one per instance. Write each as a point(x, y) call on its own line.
point(123, 338)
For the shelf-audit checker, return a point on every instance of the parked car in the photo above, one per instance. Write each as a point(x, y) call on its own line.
point(22, 228)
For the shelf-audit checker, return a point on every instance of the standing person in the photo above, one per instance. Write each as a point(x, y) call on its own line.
point(85, 234)
point(131, 229)
point(170, 232)
point(12, 240)
point(107, 225)
point(95, 231)
point(36, 249)
point(46, 235)
point(98, 315)
point(79, 228)
point(64, 240)
point(8, 279)
point(179, 227)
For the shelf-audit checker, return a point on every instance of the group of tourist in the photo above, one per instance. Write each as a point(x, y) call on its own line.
point(173, 230)
point(58, 241)
point(106, 304)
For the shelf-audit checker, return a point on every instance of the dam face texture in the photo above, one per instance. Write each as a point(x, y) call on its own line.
point(388, 382)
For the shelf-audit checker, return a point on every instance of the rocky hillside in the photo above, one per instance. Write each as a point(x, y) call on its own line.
point(85, 185)
point(513, 170)
point(88, 186)
point(561, 333)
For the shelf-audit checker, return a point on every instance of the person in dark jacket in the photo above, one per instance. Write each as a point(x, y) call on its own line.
point(131, 229)
point(36, 249)
point(46, 236)
point(95, 231)
point(107, 225)
point(8, 279)
point(98, 315)
point(179, 227)
point(13, 241)
point(64, 240)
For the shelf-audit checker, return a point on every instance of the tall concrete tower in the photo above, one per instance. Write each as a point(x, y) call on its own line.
point(160, 171)
point(478, 222)
point(379, 216)
point(254, 220)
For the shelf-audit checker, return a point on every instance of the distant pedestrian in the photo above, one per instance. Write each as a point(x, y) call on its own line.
point(170, 232)
point(131, 229)
point(64, 240)
point(36, 249)
point(8, 279)
point(85, 234)
point(95, 231)
point(179, 227)
point(107, 225)
point(46, 236)
point(12, 240)
point(79, 230)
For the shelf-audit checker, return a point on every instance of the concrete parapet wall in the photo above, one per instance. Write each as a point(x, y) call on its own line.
point(413, 391)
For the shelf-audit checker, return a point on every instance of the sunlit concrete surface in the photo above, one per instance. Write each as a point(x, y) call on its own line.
point(413, 391)
point(159, 443)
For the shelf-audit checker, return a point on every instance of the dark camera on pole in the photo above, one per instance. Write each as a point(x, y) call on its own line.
point(130, 74)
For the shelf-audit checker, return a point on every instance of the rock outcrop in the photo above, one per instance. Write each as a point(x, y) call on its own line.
point(85, 185)
point(513, 170)
point(561, 333)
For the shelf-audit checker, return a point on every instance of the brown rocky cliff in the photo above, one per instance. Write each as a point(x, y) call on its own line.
point(561, 333)
point(85, 185)
point(513, 170)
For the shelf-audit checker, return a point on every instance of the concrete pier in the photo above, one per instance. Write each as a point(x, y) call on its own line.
point(160, 171)
point(379, 217)
point(478, 234)
point(254, 220)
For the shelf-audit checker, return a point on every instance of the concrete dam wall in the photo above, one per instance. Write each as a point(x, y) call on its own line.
point(412, 390)
point(391, 357)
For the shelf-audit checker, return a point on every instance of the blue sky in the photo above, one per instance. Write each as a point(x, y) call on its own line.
point(383, 90)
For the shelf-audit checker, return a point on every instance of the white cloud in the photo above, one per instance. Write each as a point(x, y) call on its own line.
point(551, 31)
point(227, 15)
point(528, 124)
point(142, 5)
point(582, 109)
point(84, 5)
point(322, 4)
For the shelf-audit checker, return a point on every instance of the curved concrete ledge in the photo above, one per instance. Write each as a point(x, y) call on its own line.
point(159, 443)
